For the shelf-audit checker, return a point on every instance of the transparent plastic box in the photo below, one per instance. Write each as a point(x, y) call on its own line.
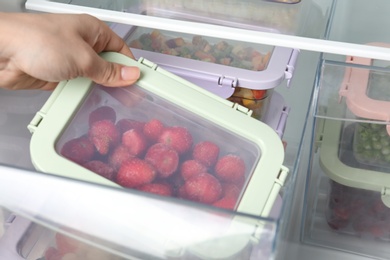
point(242, 72)
point(123, 224)
point(347, 203)
point(162, 135)
point(362, 93)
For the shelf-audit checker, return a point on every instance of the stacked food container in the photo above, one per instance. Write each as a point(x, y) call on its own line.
point(243, 73)
point(347, 201)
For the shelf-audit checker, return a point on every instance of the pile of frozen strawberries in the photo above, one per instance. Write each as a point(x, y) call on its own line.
point(154, 157)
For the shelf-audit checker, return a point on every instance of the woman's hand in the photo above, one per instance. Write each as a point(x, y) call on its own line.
point(39, 50)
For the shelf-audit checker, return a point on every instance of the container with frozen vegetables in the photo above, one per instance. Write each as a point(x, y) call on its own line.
point(244, 73)
point(367, 97)
point(356, 199)
point(351, 146)
point(162, 135)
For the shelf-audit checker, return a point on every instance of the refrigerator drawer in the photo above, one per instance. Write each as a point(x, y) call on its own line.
point(346, 200)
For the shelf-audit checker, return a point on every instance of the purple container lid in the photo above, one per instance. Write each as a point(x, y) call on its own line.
point(221, 79)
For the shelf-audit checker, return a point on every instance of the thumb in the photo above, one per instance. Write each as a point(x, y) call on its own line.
point(113, 74)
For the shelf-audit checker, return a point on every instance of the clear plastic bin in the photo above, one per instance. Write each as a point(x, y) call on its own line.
point(347, 202)
point(244, 73)
point(123, 224)
point(162, 135)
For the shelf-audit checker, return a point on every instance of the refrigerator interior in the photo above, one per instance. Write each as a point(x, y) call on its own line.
point(341, 22)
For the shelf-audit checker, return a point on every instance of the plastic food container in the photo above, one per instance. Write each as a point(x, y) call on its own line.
point(117, 137)
point(353, 209)
point(346, 203)
point(241, 72)
point(366, 96)
point(157, 227)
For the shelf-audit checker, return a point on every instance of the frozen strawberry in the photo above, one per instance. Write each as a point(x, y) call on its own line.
point(165, 159)
point(191, 168)
point(101, 168)
point(203, 188)
point(135, 172)
point(229, 197)
point(206, 152)
point(102, 113)
point(177, 137)
point(157, 188)
point(230, 168)
point(226, 203)
point(124, 125)
point(153, 129)
point(78, 150)
point(230, 190)
point(118, 155)
point(104, 135)
point(135, 141)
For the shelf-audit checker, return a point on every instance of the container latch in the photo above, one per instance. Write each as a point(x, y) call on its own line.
point(242, 109)
point(279, 183)
point(40, 115)
point(385, 196)
point(224, 81)
point(282, 121)
point(262, 225)
point(291, 66)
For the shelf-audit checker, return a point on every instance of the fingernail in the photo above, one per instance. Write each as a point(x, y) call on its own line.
point(130, 73)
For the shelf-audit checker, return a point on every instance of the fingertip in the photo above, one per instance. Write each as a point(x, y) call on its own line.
point(129, 73)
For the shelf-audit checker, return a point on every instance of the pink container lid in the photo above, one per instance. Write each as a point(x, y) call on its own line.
point(354, 89)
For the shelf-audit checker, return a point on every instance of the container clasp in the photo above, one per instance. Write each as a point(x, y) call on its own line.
point(385, 195)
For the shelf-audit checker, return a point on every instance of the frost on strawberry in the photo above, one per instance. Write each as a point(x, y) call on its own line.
point(204, 188)
point(135, 172)
point(104, 135)
point(191, 168)
point(165, 159)
point(206, 152)
point(230, 190)
point(162, 189)
point(230, 168)
point(135, 141)
point(226, 203)
point(78, 150)
point(118, 155)
point(177, 137)
point(153, 129)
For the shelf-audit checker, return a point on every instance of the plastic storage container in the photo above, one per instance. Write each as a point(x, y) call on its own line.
point(244, 73)
point(347, 202)
point(162, 116)
point(121, 223)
